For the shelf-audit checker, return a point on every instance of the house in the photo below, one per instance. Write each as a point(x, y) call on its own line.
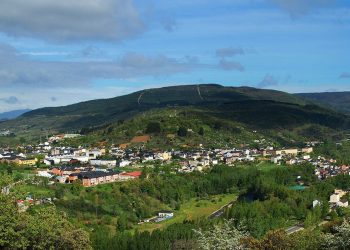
point(94, 153)
point(306, 157)
point(124, 163)
point(20, 160)
point(124, 145)
point(337, 199)
point(276, 159)
point(165, 214)
point(64, 170)
point(49, 162)
point(108, 163)
point(130, 175)
point(215, 162)
point(44, 174)
point(93, 178)
point(230, 160)
point(291, 161)
point(307, 150)
point(292, 151)
point(61, 179)
point(193, 163)
point(165, 156)
point(27, 161)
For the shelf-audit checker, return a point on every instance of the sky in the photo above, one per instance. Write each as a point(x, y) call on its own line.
point(55, 53)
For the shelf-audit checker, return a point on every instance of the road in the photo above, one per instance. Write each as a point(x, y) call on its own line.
point(220, 211)
point(299, 227)
point(294, 229)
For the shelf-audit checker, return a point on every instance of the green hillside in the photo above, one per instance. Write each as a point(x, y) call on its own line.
point(248, 108)
point(337, 100)
point(175, 127)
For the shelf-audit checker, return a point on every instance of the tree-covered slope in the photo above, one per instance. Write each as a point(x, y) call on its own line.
point(339, 101)
point(254, 108)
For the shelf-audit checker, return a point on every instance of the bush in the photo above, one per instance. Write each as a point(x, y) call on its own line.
point(182, 132)
point(153, 128)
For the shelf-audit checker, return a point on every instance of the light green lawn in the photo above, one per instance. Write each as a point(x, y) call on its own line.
point(37, 191)
point(268, 166)
point(191, 210)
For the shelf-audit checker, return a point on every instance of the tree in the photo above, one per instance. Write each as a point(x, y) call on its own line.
point(274, 240)
point(9, 169)
point(153, 128)
point(122, 223)
point(41, 228)
point(340, 239)
point(182, 132)
point(201, 131)
point(145, 172)
point(222, 236)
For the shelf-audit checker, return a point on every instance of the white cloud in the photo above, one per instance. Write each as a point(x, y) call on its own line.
point(67, 20)
point(229, 52)
point(17, 69)
point(10, 100)
point(230, 65)
point(268, 81)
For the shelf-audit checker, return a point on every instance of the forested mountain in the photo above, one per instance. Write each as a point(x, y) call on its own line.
point(251, 107)
point(12, 114)
point(340, 101)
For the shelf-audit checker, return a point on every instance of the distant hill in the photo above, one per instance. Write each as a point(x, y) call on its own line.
point(250, 107)
point(338, 100)
point(12, 114)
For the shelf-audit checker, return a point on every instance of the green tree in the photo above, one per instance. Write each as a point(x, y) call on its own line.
point(153, 128)
point(41, 228)
point(122, 223)
point(222, 236)
point(182, 132)
point(340, 239)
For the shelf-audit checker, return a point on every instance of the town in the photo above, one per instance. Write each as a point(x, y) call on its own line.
point(94, 166)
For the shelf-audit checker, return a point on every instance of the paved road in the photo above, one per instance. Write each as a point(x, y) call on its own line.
point(221, 210)
point(294, 229)
point(299, 227)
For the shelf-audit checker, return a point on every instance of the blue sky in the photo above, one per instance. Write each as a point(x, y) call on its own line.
point(60, 52)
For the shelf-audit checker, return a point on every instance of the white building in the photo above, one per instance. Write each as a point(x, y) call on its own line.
point(107, 163)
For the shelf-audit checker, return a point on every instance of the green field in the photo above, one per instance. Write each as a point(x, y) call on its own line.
point(191, 210)
point(36, 191)
point(268, 166)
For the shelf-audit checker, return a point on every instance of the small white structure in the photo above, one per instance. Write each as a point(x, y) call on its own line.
point(306, 157)
point(215, 162)
point(316, 203)
point(165, 214)
point(124, 163)
point(108, 163)
point(336, 198)
point(44, 174)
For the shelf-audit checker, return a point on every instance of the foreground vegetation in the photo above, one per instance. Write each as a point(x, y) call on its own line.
point(110, 213)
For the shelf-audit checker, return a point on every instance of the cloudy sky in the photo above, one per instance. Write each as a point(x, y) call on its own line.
point(60, 52)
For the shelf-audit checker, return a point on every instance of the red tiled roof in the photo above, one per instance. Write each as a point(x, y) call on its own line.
point(133, 174)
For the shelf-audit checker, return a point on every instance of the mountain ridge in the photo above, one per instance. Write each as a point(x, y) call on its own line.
point(13, 114)
point(255, 108)
point(339, 101)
